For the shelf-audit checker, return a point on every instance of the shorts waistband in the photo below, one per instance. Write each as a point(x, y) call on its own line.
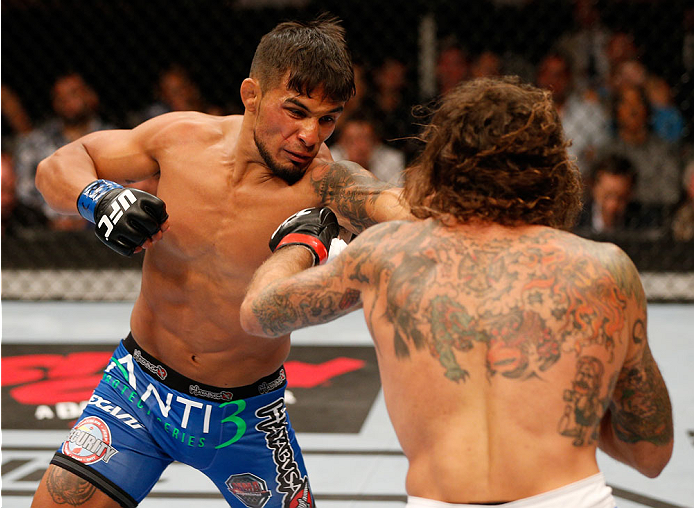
point(177, 381)
point(590, 492)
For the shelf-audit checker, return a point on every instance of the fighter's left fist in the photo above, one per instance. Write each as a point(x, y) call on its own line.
point(313, 228)
point(124, 218)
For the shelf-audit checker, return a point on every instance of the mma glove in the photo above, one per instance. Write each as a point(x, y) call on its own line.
point(313, 228)
point(124, 218)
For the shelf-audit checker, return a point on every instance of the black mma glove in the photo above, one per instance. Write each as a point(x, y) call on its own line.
point(313, 228)
point(124, 217)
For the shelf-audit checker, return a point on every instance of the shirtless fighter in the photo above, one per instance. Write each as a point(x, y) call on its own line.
point(509, 349)
point(188, 384)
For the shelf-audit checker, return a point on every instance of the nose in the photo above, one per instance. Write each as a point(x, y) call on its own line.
point(309, 134)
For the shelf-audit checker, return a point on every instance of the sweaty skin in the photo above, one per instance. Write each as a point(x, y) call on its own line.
point(507, 355)
point(223, 202)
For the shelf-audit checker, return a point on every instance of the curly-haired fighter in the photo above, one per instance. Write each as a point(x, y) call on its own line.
point(509, 349)
point(189, 384)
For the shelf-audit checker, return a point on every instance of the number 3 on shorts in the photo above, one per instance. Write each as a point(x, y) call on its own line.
point(240, 424)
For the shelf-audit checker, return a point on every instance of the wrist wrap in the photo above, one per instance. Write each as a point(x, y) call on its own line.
point(90, 196)
point(320, 253)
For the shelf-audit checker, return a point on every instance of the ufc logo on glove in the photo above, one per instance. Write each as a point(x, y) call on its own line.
point(122, 203)
point(104, 203)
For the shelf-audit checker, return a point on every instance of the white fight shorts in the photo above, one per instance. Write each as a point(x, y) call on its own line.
point(591, 492)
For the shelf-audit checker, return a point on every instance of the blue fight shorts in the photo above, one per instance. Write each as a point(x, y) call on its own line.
point(143, 415)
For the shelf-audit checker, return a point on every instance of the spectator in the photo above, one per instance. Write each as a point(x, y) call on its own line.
point(359, 141)
point(586, 45)
point(683, 221)
point(667, 121)
point(176, 91)
point(14, 116)
point(393, 103)
point(75, 106)
point(628, 73)
point(657, 166)
point(585, 122)
point(620, 48)
point(361, 101)
point(609, 207)
point(452, 66)
point(17, 218)
point(486, 65)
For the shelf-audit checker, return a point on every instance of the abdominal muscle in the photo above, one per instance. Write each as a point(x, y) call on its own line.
point(191, 324)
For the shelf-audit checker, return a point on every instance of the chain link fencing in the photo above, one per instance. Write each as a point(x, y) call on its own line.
point(135, 59)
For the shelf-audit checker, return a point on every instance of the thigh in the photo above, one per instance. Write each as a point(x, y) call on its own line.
point(264, 468)
point(60, 488)
point(111, 447)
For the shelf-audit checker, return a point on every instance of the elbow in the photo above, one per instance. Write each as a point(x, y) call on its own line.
point(655, 462)
point(652, 470)
point(42, 176)
point(249, 321)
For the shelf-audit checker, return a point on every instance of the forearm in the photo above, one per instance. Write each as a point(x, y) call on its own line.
point(363, 207)
point(359, 199)
point(260, 315)
point(647, 457)
point(280, 300)
point(121, 156)
point(63, 175)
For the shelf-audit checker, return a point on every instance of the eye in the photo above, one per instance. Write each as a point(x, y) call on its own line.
point(327, 120)
point(296, 113)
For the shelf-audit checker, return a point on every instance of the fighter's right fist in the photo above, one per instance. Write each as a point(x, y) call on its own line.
point(124, 218)
point(314, 228)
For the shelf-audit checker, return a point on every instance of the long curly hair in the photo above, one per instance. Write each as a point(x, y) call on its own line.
point(495, 151)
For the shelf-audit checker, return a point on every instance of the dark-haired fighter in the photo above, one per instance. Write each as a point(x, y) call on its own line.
point(509, 349)
point(189, 384)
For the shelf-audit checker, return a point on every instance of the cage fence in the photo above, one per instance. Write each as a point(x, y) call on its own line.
point(137, 59)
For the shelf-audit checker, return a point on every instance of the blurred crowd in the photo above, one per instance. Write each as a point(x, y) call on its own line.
point(630, 137)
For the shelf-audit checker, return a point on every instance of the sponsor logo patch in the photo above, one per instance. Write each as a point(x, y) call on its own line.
point(249, 489)
point(199, 392)
point(274, 384)
point(302, 498)
point(157, 370)
point(90, 441)
point(290, 481)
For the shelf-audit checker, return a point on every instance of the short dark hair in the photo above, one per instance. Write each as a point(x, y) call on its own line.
point(495, 150)
point(613, 165)
point(315, 53)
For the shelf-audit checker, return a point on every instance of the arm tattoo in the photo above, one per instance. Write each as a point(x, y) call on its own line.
point(584, 406)
point(352, 192)
point(641, 409)
point(284, 307)
point(320, 294)
point(67, 488)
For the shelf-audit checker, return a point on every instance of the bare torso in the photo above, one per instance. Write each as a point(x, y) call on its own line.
point(498, 350)
point(221, 217)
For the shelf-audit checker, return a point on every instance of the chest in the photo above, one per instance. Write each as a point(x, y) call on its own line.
point(224, 226)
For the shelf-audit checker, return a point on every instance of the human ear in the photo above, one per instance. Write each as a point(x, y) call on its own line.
point(250, 94)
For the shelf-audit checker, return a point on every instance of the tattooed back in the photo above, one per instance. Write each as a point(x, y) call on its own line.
point(501, 349)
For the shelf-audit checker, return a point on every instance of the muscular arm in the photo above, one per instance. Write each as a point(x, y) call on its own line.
point(282, 297)
point(357, 197)
point(637, 427)
point(123, 156)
